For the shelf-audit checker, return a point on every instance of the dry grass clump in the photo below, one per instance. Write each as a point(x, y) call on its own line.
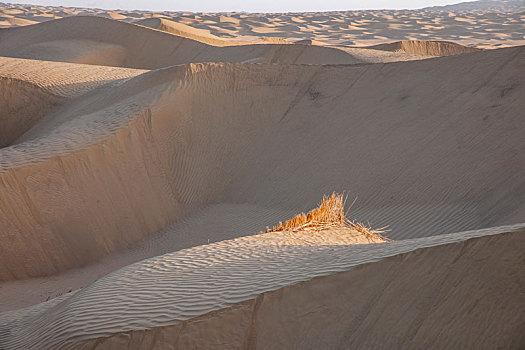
point(330, 213)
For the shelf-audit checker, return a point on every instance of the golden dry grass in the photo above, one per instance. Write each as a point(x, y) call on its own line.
point(329, 213)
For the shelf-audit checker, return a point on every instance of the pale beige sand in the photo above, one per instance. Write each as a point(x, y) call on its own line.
point(184, 30)
point(29, 89)
point(486, 27)
point(201, 35)
point(124, 141)
point(101, 41)
point(426, 48)
point(446, 291)
point(169, 141)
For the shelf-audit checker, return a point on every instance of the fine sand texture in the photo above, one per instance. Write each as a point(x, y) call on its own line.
point(439, 292)
point(149, 160)
point(483, 24)
point(30, 88)
point(123, 161)
point(101, 41)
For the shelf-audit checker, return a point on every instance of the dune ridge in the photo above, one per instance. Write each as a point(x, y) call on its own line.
point(143, 154)
point(102, 41)
point(498, 25)
point(200, 35)
point(143, 311)
point(426, 48)
point(29, 89)
point(182, 30)
point(158, 125)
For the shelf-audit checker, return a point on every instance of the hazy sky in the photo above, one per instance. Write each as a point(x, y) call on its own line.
point(242, 5)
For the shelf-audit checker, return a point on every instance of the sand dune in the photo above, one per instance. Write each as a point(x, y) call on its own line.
point(141, 152)
point(247, 293)
point(477, 24)
point(183, 30)
point(172, 140)
point(29, 89)
point(201, 35)
point(101, 41)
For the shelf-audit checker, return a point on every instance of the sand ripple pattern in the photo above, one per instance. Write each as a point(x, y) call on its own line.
point(174, 287)
point(428, 147)
point(479, 23)
point(63, 79)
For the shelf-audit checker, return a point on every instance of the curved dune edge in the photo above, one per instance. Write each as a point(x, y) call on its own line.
point(183, 30)
point(203, 36)
point(426, 48)
point(63, 79)
point(419, 285)
point(29, 89)
point(162, 151)
point(498, 26)
point(21, 105)
point(103, 41)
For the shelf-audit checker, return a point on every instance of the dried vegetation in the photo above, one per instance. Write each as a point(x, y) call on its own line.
point(330, 213)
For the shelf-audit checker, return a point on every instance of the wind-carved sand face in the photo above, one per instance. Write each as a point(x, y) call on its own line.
point(151, 148)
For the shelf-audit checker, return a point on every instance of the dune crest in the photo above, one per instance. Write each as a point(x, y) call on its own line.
point(490, 25)
point(143, 154)
point(183, 30)
point(203, 36)
point(426, 48)
point(154, 125)
point(29, 89)
point(255, 289)
point(103, 41)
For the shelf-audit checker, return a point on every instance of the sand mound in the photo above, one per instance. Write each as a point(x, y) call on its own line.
point(497, 25)
point(201, 35)
point(102, 41)
point(183, 30)
point(247, 292)
point(173, 140)
point(425, 48)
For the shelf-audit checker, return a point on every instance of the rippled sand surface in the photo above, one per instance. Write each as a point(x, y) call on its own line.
point(141, 153)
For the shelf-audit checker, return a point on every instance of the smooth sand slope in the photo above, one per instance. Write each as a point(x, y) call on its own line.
point(201, 35)
point(428, 146)
point(458, 290)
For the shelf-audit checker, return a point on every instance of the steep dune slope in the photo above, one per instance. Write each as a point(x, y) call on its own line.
point(201, 35)
point(428, 146)
point(443, 291)
point(21, 104)
point(29, 89)
point(183, 30)
point(102, 41)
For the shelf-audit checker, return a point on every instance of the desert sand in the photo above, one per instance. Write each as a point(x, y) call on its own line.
point(482, 24)
point(144, 154)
